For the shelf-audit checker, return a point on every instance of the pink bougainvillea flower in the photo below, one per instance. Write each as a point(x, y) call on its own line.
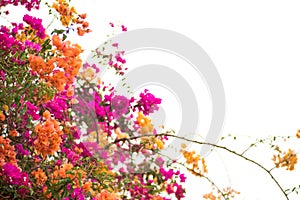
point(148, 103)
point(36, 24)
point(32, 110)
point(21, 151)
point(14, 176)
point(2, 75)
point(115, 45)
point(124, 29)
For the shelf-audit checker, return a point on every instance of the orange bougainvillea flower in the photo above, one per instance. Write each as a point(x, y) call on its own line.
point(143, 120)
point(7, 152)
point(120, 134)
point(5, 108)
point(67, 14)
point(105, 195)
point(82, 31)
point(48, 136)
point(62, 171)
point(228, 192)
point(159, 143)
point(47, 114)
point(30, 34)
point(286, 159)
point(67, 170)
point(13, 133)
point(70, 92)
point(70, 61)
point(156, 197)
point(87, 187)
point(40, 176)
point(56, 41)
point(58, 80)
point(61, 69)
point(298, 134)
point(193, 159)
point(85, 24)
point(82, 16)
point(58, 71)
point(211, 196)
point(46, 192)
point(38, 65)
point(145, 123)
point(2, 116)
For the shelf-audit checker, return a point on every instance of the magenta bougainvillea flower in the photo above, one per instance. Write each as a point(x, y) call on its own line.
point(148, 103)
point(32, 111)
point(2, 75)
point(14, 176)
point(36, 24)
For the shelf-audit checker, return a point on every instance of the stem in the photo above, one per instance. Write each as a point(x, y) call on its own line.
point(54, 17)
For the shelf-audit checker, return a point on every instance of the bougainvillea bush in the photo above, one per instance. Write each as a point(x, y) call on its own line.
point(43, 119)
point(65, 134)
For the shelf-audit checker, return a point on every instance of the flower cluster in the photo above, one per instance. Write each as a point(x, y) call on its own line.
point(9, 46)
point(13, 176)
point(49, 134)
point(35, 24)
point(285, 159)
point(68, 15)
point(29, 4)
point(193, 159)
point(58, 71)
point(148, 103)
point(7, 152)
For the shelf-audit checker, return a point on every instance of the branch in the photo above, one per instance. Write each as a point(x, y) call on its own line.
point(273, 138)
point(210, 144)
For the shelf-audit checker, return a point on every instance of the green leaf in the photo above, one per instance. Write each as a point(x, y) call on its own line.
point(64, 37)
point(58, 31)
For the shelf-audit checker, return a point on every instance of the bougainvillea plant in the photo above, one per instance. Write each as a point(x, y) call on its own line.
point(42, 154)
point(58, 141)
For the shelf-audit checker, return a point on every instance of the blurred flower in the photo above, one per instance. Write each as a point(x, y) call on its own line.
point(119, 106)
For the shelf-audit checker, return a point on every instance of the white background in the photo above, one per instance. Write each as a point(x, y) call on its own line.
point(255, 46)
